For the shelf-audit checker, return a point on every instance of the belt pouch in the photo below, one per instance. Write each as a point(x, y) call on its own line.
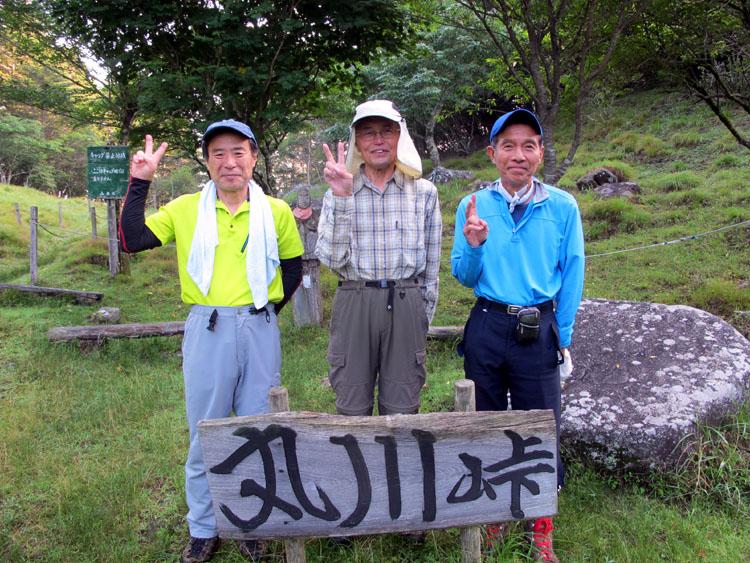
point(527, 326)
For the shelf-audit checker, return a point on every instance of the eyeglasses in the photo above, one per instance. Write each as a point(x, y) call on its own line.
point(369, 134)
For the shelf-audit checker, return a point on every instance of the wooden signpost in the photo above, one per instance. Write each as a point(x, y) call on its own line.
point(108, 176)
point(305, 474)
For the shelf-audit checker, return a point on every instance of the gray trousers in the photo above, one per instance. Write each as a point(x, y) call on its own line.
point(229, 369)
point(370, 344)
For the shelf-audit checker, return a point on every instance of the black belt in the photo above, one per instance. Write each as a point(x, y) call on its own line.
point(546, 307)
point(381, 284)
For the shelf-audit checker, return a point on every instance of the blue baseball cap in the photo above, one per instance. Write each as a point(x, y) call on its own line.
point(512, 118)
point(223, 126)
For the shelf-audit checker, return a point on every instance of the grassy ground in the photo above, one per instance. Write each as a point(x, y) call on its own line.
point(92, 445)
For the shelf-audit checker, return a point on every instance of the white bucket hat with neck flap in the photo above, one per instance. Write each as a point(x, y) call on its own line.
point(407, 157)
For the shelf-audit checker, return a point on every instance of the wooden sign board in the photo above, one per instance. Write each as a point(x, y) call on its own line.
point(311, 474)
point(108, 172)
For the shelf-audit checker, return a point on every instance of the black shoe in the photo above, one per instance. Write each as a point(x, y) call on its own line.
point(252, 550)
point(199, 550)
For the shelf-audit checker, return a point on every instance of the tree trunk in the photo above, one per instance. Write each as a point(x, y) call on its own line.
point(550, 154)
point(265, 178)
point(429, 137)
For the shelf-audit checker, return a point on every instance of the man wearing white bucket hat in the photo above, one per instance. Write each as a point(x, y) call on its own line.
point(380, 229)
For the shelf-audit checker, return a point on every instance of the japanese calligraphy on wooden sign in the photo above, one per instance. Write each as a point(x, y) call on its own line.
point(312, 474)
point(108, 172)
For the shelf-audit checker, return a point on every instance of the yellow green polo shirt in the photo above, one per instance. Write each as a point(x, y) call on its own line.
point(229, 288)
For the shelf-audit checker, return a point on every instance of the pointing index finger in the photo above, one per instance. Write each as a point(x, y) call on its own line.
point(342, 153)
point(328, 153)
point(149, 144)
point(471, 207)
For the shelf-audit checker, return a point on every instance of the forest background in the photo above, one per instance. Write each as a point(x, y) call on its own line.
point(92, 446)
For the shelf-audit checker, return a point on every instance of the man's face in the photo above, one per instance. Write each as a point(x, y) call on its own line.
point(377, 141)
point(517, 154)
point(230, 161)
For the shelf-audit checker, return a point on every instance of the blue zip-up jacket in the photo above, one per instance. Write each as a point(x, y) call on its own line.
point(539, 259)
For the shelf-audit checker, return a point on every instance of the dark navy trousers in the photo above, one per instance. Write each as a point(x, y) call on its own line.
point(499, 365)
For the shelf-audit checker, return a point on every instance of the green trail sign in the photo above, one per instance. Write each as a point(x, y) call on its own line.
point(108, 172)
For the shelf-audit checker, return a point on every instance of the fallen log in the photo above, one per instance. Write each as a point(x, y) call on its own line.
point(99, 333)
point(445, 332)
point(81, 297)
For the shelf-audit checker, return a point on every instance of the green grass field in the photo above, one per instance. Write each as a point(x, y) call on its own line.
point(92, 444)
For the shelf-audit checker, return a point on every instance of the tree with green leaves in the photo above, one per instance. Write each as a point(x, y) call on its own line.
point(552, 50)
point(266, 63)
point(439, 76)
point(706, 45)
point(23, 153)
point(172, 68)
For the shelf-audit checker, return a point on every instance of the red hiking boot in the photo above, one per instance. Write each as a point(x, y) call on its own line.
point(540, 534)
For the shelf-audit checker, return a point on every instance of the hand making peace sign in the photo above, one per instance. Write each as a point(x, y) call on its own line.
point(336, 174)
point(476, 230)
point(144, 163)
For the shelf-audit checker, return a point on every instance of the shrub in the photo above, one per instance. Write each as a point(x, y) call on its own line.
point(721, 297)
point(678, 166)
point(724, 144)
point(691, 198)
point(674, 181)
point(687, 139)
point(718, 467)
point(643, 145)
point(610, 216)
point(728, 161)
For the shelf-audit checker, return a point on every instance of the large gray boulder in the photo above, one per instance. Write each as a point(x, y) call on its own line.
point(644, 375)
point(442, 175)
point(618, 189)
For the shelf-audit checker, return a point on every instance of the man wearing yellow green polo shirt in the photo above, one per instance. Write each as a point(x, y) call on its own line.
point(239, 259)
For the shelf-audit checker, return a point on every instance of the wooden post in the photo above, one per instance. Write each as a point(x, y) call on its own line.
point(92, 213)
point(18, 213)
point(278, 399)
point(307, 299)
point(33, 244)
point(59, 215)
point(471, 538)
point(114, 256)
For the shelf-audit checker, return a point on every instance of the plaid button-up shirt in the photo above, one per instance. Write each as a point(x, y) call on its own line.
point(394, 234)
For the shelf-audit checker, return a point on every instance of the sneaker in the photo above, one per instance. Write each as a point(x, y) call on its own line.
point(199, 550)
point(493, 536)
point(540, 534)
point(252, 550)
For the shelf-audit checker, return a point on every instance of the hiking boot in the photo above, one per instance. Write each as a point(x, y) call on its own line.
point(199, 550)
point(415, 538)
point(493, 536)
point(252, 550)
point(540, 535)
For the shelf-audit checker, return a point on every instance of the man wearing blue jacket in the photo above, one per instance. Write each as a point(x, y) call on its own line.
point(519, 245)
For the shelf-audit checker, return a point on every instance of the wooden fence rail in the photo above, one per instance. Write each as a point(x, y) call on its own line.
point(82, 297)
point(99, 333)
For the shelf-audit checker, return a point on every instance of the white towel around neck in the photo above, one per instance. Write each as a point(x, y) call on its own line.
point(262, 251)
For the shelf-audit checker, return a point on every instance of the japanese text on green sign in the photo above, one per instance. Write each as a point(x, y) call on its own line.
point(108, 172)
